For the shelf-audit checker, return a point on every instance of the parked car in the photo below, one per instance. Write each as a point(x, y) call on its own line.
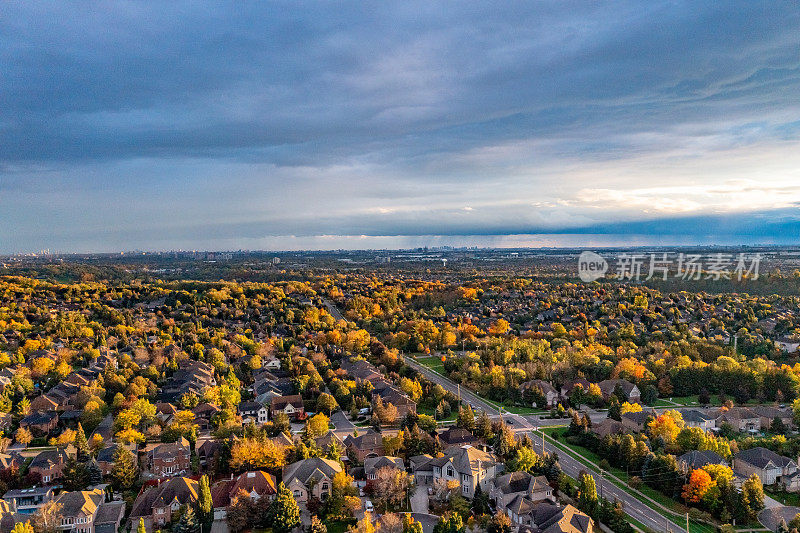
point(368, 506)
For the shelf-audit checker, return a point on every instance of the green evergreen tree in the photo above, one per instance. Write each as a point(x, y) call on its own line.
point(124, 471)
point(188, 523)
point(285, 511)
point(81, 443)
point(205, 507)
point(95, 474)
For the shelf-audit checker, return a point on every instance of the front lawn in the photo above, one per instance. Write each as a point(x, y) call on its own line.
point(338, 526)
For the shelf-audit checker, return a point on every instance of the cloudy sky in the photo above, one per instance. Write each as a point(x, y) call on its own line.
point(146, 125)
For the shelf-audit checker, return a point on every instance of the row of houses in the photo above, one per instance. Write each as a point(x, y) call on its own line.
point(607, 387)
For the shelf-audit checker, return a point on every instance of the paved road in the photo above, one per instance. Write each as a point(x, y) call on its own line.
point(572, 467)
point(467, 395)
point(332, 309)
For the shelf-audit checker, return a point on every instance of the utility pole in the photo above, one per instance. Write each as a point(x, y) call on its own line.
point(687, 522)
point(601, 484)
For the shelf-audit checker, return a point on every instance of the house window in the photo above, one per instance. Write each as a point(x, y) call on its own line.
point(450, 471)
point(324, 486)
point(297, 494)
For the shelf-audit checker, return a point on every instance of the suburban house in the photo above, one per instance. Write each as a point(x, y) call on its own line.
point(698, 459)
point(373, 464)
point(770, 467)
point(629, 390)
point(569, 386)
point(363, 446)
point(40, 423)
point(49, 464)
point(551, 395)
point(292, 406)
point(550, 518)
point(170, 459)
point(191, 376)
point(767, 415)
point(741, 418)
point(467, 465)
point(253, 412)
point(609, 427)
point(325, 442)
point(421, 469)
point(27, 501)
point(157, 504)
point(638, 421)
point(255, 485)
point(86, 511)
point(509, 488)
point(105, 458)
point(694, 418)
point(314, 475)
point(455, 436)
point(203, 413)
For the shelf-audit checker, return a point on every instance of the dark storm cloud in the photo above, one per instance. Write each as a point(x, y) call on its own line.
point(309, 114)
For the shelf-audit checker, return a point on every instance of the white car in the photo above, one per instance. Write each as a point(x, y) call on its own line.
point(368, 506)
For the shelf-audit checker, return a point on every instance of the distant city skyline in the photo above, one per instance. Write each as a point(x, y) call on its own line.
point(284, 126)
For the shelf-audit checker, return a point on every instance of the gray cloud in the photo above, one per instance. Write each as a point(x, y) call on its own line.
point(303, 117)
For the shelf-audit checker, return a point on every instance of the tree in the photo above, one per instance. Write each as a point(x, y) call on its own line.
point(140, 528)
point(23, 527)
point(391, 486)
point(188, 523)
point(466, 418)
point(628, 407)
point(587, 490)
point(317, 426)
point(326, 403)
point(752, 497)
point(205, 507)
point(23, 436)
point(75, 475)
point(449, 523)
point(124, 470)
point(94, 473)
point(410, 525)
point(47, 519)
point(284, 510)
point(666, 426)
point(525, 460)
point(80, 441)
point(317, 526)
point(699, 483)
point(500, 523)
point(250, 454)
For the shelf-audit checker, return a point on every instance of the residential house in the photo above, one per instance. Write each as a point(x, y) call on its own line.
point(770, 467)
point(207, 451)
point(203, 414)
point(629, 390)
point(609, 427)
point(292, 406)
point(253, 412)
point(86, 511)
point(373, 464)
point(40, 423)
point(105, 458)
point(157, 504)
point(569, 386)
point(255, 485)
point(767, 415)
point(694, 418)
point(311, 476)
point(422, 469)
point(741, 418)
point(551, 395)
point(28, 501)
point(509, 488)
point(467, 465)
point(695, 459)
point(170, 459)
point(638, 421)
point(326, 441)
point(365, 445)
point(553, 518)
point(49, 464)
point(455, 436)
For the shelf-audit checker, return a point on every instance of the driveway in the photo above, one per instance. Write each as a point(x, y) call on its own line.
point(419, 501)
